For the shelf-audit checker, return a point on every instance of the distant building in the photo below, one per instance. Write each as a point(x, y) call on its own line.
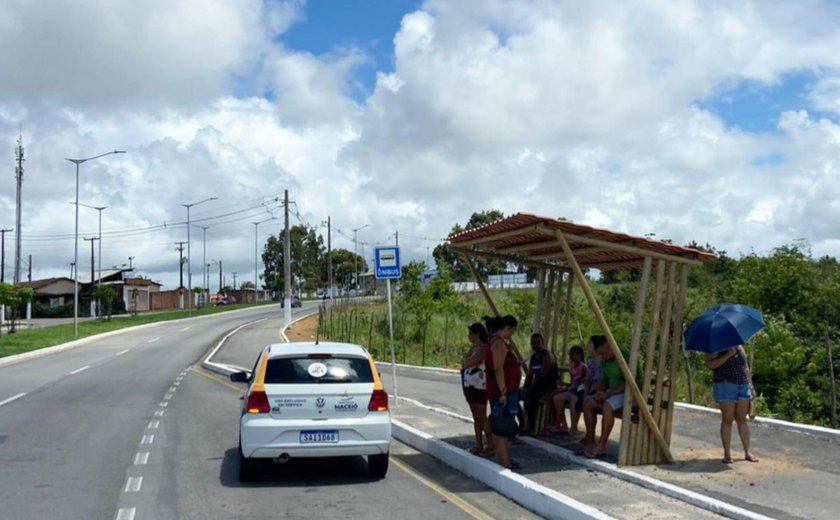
point(51, 292)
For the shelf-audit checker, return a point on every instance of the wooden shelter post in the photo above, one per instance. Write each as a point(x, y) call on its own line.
point(535, 325)
point(662, 355)
point(555, 326)
point(641, 299)
point(625, 370)
point(676, 346)
point(570, 285)
point(548, 312)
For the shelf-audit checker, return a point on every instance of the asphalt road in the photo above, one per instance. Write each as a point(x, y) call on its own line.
point(129, 427)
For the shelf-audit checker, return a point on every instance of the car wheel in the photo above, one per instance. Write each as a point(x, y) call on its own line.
point(378, 465)
point(247, 467)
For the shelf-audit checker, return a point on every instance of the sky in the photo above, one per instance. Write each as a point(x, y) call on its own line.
point(709, 121)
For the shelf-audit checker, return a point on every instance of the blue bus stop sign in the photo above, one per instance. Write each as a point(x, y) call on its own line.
point(387, 263)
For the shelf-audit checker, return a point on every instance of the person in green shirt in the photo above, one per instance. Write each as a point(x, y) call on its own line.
point(609, 399)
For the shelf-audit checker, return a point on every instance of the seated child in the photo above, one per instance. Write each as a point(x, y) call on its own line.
point(570, 395)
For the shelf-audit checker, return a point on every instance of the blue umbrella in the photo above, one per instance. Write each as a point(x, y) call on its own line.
point(721, 327)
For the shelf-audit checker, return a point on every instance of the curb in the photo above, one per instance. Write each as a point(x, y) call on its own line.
point(539, 499)
point(683, 495)
point(817, 431)
point(55, 349)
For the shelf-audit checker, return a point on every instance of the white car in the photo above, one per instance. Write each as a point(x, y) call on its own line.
point(313, 400)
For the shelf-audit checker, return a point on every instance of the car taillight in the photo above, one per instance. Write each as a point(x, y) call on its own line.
point(258, 402)
point(378, 401)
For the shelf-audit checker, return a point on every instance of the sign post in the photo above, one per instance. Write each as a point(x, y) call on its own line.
point(387, 267)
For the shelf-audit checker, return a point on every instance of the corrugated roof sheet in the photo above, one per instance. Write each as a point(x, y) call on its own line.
point(531, 237)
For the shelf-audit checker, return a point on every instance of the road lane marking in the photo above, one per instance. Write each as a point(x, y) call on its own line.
point(167, 397)
point(159, 413)
point(164, 404)
point(126, 513)
point(123, 352)
point(172, 389)
point(13, 398)
point(153, 340)
point(147, 439)
point(79, 370)
point(134, 484)
point(212, 378)
point(452, 498)
point(153, 425)
point(142, 458)
point(186, 329)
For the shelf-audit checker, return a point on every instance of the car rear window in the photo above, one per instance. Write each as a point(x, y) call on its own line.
point(284, 371)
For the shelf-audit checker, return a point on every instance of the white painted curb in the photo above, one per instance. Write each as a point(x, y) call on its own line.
point(35, 354)
point(817, 431)
point(684, 495)
point(539, 499)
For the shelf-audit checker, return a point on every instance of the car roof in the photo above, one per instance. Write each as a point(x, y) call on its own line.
point(310, 347)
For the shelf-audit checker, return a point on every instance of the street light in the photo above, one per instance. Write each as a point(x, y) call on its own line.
point(189, 255)
point(257, 225)
point(77, 162)
point(355, 255)
point(99, 259)
point(205, 279)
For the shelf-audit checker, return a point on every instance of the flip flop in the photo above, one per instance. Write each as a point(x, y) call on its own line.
point(727, 460)
point(475, 451)
point(592, 454)
point(751, 458)
point(513, 465)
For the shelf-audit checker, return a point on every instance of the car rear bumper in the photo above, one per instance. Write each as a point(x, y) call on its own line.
point(264, 437)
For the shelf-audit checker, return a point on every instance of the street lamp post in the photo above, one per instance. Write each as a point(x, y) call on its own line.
point(189, 255)
point(256, 226)
point(355, 256)
point(77, 162)
point(204, 276)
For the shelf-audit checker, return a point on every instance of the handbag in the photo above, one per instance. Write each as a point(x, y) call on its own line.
point(502, 423)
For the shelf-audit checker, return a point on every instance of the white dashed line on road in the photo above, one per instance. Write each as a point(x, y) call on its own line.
point(153, 340)
point(164, 404)
point(123, 352)
point(126, 513)
point(153, 425)
point(141, 458)
point(186, 328)
point(167, 397)
point(13, 398)
point(172, 389)
point(147, 439)
point(134, 484)
point(79, 370)
point(159, 413)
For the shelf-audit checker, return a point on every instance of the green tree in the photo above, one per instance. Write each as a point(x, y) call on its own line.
point(104, 296)
point(344, 266)
point(308, 259)
point(454, 262)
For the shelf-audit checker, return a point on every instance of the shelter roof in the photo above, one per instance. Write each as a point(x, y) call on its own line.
point(530, 239)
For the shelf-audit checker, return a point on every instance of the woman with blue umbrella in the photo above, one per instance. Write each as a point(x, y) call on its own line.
point(720, 333)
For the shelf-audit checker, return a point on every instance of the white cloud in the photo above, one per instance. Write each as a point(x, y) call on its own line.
point(580, 110)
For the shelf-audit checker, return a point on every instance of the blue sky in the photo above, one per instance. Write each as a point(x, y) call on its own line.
point(368, 25)
point(756, 106)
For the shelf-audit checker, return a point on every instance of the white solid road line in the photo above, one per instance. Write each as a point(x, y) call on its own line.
point(142, 458)
point(134, 484)
point(13, 398)
point(79, 370)
point(123, 352)
point(126, 513)
point(153, 340)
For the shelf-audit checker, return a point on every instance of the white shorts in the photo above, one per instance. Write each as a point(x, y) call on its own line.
point(615, 401)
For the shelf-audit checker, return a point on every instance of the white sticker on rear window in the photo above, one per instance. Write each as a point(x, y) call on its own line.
point(317, 370)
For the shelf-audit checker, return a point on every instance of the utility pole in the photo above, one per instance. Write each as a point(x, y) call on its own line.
point(287, 266)
point(397, 238)
point(3, 254)
point(130, 265)
point(220, 277)
point(92, 273)
point(234, 280)
point(30, 269)
point(329, 259)
point(19, 179)
point(180, 250)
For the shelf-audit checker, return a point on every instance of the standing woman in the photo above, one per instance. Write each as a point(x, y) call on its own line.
point(475, 387)
point(733, 391)
point(503, 377)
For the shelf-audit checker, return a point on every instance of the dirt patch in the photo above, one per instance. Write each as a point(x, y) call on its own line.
point(708, 461)
point(304, 330)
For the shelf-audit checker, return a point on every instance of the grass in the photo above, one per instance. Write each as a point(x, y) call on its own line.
point(34, 339)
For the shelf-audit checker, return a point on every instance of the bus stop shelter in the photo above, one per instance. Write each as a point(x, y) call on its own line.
point(561, 250)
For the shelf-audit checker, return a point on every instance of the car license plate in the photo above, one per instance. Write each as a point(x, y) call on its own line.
point(319, 437)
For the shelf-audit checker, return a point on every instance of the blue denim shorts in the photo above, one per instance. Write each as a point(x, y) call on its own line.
point(731, 392)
